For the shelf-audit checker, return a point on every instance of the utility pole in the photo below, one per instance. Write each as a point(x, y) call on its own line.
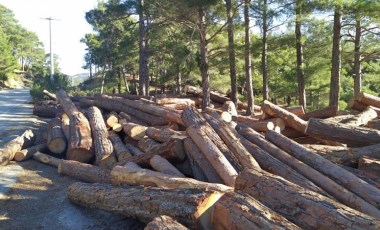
point(51, 50)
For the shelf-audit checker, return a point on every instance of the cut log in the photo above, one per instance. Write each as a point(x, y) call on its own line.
point(188, 206)
point(134, 131)
point(117, 127)
point(49, 95)
point(46, 159)
point(79, 141)
point(333, 171)
point(112, 118)
point(216, 158)
point(367, 177)
point(374, 124)
point(236, 210)
point(362, 118)
point(353, 136)
point(292, 133)
point(368, 99)
point(9, 149)
point(369, 165)
point(330, 111)
point(46, 111)
point(129, 118)
point(296, 110)
point(84, 172)
point(65, 125)
point(164, 223)
point(56, 140)
point(265, 125)
point(132, 174)
point(229, 136)
point(331, 187)
point(164, 134)
point(175, 103)
point(201, 167)
point(289, 118)
point(230, 108)
point(134, 150)
point(104, 156)
point(120, 150)
point(307, 209)
point(27, 153)
point(162, 165)
point(85, 102)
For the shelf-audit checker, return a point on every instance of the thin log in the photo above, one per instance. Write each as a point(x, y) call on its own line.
point(134, 150)
point(27, 153)
point(46, 159)
point(56, 140)
point(120, 150)
point(49, 95)
point(132, 119)
point(9, 149)
point(84, 172)
point(305, 208)
point(333, 171)
point(162, 165)
point(369, 165)
point(327, 112)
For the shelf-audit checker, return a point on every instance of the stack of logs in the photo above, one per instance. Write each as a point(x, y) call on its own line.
point(217, 169)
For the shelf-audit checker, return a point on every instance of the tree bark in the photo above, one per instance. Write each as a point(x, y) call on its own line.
point(120, 150)
point(369, 165)
point(362, 118)
point(164, 134)
point(65, 125)
point(104, 156)
point(299, 49)
point(49, 95)
point(134, 150)
point(247, 60)
point(368, 99)
point(333, 171)
point(56, 140)
point(46, 159)
point(162, 165)
point(357, 56)
point(327, 112)
point(164, 222)
point(203, 66)
point(353, 136)
point(264, 52)
point(46, 111)
point(84, 172)
point(309, 209)
point(335, 58)
point(188, 206)
point(27, 153)
point(9, 149)
point(374, 124)
point(143, 51)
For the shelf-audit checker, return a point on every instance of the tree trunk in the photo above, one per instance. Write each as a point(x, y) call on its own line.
point(164, 222)
point(162, 165)
point(120, 150)
point(362, 118)
point(216, 158)
point(357, 56)
point(9, 149)
point(333, 171)
point(164, 134)
point(353, 136)
point(188, 206)
point(299, 48)
point(143, 52)
point(56, 140)
point(104, 156)
point(330, 111)
point(84, 172)
point(336, 59)
point(46, 159)
point(368, 99)
point(231, 51)
point(264, 52)
point(46, 111)
point(236, 210)
point(203, 66)
point(309, 209)
point(332, 188)
point(27, 153)
point(134, 150)
point(247, 60)
point(369, 165)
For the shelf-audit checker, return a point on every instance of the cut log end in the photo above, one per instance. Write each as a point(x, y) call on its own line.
point(57, 145)
point(80, 154)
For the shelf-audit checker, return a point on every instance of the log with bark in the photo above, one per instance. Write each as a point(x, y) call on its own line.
point(56, 140)
point(188, 206)
point(120, 150)
point(230, 108)
point(362, 118)
point(104, 156)
point(162, 165)
point(151, 146)
point(129, 118)
point(46, 159)
point(307, 209)
point(134, 131)
point(9, 149)
point(369, 165)
point(353, 136)
point(80, 141)
point(265, 125)
point(46, 111)
point(49, 95)
point(134, 150)
point(65, 125)
point(368, 99)
point(164, 222)
point(333, 171)
point(296, 110)
point(328, 185)
point(374, 124)
point(371, 179)
point(330, 111)
point(27, 153)
point(84, 172)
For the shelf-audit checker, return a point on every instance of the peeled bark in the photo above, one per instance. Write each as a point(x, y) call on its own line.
point(84, 172)
point(56, 140)
point(307, 209)
point(164, 222)
point(9, 149)
point(120, 150)
point(162, 165)
point(333, 171)
point(27, 153)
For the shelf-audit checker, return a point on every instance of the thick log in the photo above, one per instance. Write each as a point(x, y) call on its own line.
point(56, 140)
point(368, 99)
point(85, 102)
point(27, 153)
point(112, 118)
point(296, 110)
point(374, 124)
point(292, 133)
point(65, 125)
point(164, 223)
point(66, 104)
point(216, 158)
point(236, 210)
point(49, 95)
point(134, 131)
point(46, 111)
point(307, 209)
point(188, 206)
point(46, 159)
point(371, 179)
point(129, 118)
point(9, 149)
point(120, 150)
point(151, 146)
point(362, 118)
point(230, 108)
point(201, 167)
point(331, 187)
point(333, 171)
point(289, 118)
point(229, 136)
point(104, 156)
point(175, 103)
point(132, 174)
point(164, 134)
point(162, 165)
point(330, 111)
point(353, 136)
point(84, 172)
point(369, 165)
point(134, 150)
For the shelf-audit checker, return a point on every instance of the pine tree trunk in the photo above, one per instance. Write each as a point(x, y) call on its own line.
point(357, 57)
point(204, 58)
point(231, 51)
point(299, 49)
point(264, 52)
point(336, 59)
point(247, 59)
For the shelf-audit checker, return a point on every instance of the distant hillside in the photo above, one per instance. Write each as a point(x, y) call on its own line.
point(79, 78)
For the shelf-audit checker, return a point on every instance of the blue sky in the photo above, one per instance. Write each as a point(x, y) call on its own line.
point(66, 33)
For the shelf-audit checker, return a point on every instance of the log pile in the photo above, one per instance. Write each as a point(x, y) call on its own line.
point(173, 166)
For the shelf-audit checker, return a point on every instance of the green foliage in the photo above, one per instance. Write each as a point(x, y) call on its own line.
point(61, 81)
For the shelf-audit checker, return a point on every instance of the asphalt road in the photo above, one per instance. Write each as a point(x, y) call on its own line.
point(33, 195)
